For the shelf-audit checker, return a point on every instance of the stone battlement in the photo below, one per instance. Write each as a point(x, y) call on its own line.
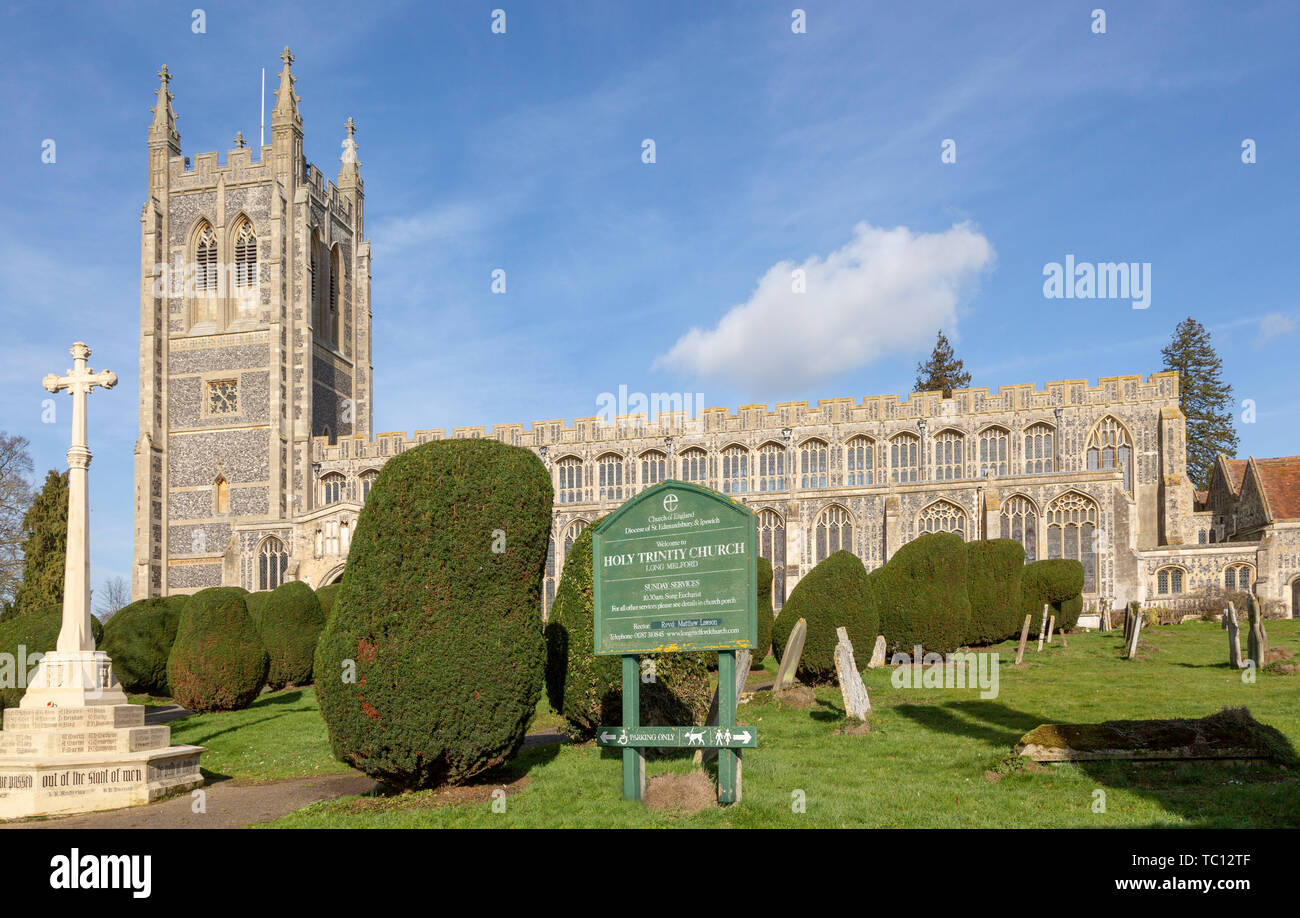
point(1160, 388)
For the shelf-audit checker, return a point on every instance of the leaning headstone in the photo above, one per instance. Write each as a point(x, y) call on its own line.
point(1024, 636)
point(1042, 631)
point(1133, 641)
point(790, 659)
point(856, 702)
point(1234, 636)
point(1051, 628)
point(878, 653)
point(1257, 641)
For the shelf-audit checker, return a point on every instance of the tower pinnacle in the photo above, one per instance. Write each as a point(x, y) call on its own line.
point(351, 164)
point(286, 101)
point(164, 119)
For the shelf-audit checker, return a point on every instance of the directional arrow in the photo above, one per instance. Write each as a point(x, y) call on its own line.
point(608, 737)
point(743, 737)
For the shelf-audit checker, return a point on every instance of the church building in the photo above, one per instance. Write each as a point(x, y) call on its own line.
point(256, 451)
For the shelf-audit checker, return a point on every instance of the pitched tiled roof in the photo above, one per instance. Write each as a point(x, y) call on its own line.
point(1281, 480)
point(1236, 472)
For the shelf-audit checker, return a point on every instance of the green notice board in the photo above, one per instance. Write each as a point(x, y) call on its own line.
point(675, 570)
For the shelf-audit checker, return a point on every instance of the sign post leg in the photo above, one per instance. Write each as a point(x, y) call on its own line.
point(728, 759)
point(633, 768)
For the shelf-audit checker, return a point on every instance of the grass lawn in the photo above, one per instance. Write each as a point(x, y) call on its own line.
point(934, 757)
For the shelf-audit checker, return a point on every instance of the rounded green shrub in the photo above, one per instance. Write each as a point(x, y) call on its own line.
point(921, 595)
point(326, 596)
point(139, 639)
point(289, 624)
point(994, 568)
point(765, 613)
point(1056, 583)
point(256, 605)
point(832, 595)
point(587, 690)
point(430, 665)
point(217, 662)
point(24, 636)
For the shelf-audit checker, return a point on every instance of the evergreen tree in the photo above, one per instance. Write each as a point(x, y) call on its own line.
point(943, 372)
point(1205, 398)
point(45, 546)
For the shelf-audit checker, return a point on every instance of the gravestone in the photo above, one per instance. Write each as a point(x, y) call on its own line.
point(856, 702)
point(1024, 637)
point(1133, 641)
point(878, 653)
point(1064, 642)
point(1051, 628)
point(790, 659)
point(1257, 639)
point(1234, 637)
point(1042, 631)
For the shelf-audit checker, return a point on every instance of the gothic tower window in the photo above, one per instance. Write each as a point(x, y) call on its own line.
point(654, 468)
point(570, 484)
point(861, 462)
point(771, 545)
point(694, 466)
point(771, 467)
point(993, 451)
point(812, 464)
point(610, 468)
point(206, 278)
point(333, 319)
point(948, 455)
point(1071, 522)
point(735, 470)
point(272, 559)
point(834, 532)
point(904, 451)
point(942, 516)
point(245, 271)
point(332, 488)
point(1109, 447)
point(1040, 456)
point(1019, 521)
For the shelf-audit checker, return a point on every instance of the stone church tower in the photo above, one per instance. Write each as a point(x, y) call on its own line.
point(255, 336)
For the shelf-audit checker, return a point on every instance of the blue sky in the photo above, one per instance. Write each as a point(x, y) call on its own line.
point(774, 151)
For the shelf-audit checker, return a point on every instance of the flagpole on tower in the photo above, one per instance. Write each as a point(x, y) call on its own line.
point(262, 142)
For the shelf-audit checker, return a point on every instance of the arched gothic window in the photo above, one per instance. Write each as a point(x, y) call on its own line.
point(333, 317)
point(654, 468)
point(735, 470)
point(221, 494)
point(245, 270)
point(812, 464)
point(1040, 454)
point(272, 559)
point(1237, 577)
point(569, 487)
point(993, 451)
point(331, 488)
point(942, 516)
point(548, 594)
point(1169, 581)
point(610, 467)
point(1020, 522)
point(861, 464)
point(206, 277)
point(948, 455)
point(571, 535)
point(771, 467)
point(771, 545)
point(367, 482)
point(695, 465)
point(1109, 447)
point(1071, 522)
point(834, 532)
point(904, 452)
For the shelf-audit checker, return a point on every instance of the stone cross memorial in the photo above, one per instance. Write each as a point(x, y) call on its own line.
point(74, 744)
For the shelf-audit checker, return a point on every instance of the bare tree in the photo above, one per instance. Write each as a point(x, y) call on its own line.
point(15, 498)
point(112, 597)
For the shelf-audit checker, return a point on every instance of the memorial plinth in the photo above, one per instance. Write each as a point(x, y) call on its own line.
point(74, 744)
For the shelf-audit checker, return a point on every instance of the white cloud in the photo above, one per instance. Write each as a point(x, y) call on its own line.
point(886, 290)
point(1274, 325)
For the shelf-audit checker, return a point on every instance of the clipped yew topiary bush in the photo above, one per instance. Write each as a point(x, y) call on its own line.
point(289, 625)
point(921, 595)
point(993, 572)
point(24, 636)
point(217, 662)
point(431, 663)
point(326, 596)
point(765, 613)
point(832, 595)
point(587, 690)
point(139, 640)
point(256, 605)
point(1058, 583)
